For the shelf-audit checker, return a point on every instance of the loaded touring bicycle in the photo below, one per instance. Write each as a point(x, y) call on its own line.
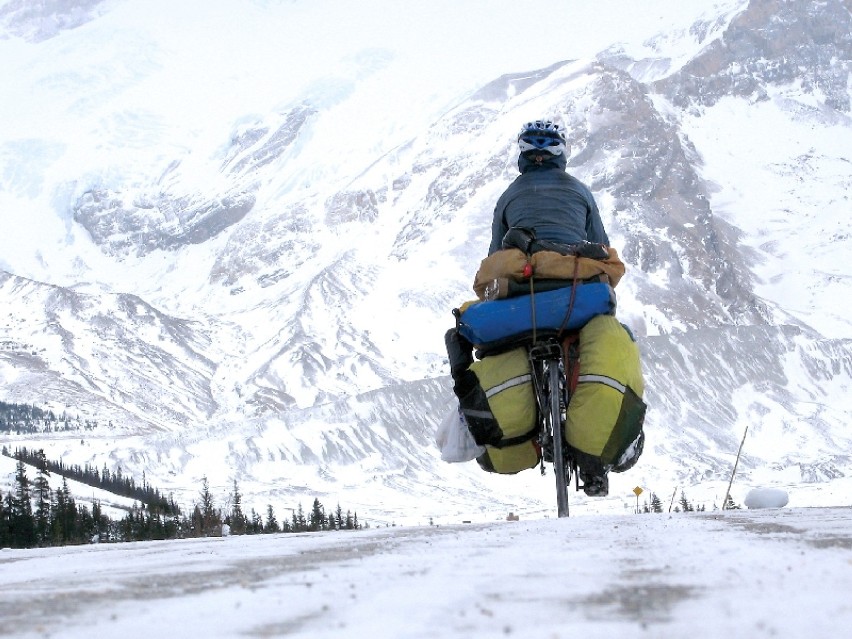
point(557, 379)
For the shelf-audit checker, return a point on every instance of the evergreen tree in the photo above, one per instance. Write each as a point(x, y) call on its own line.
point(685, 506)
point(5, 521)
point(300, 524)
point(126, 487)
point(156, 526)
point(211, 518)
point(101, 523)
point(271, 522)
point(238, 520)
point(656, 503)
point(42, 494)
point(21, 520)
point(256, 522)
point(85, 525)
point(196, 525)
point(57, 508)
point(317, 516)
point(68, 515)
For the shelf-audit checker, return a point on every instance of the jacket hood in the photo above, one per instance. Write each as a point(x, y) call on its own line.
point(553, 162)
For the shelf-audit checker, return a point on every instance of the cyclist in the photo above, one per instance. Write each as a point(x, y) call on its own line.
point(560, 210)
point(556, 205)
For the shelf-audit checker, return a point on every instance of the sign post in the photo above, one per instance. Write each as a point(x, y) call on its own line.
point(637, 491)
point(734, 471)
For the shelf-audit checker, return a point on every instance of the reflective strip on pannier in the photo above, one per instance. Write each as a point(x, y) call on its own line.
point(602, 379)
point(509, 383)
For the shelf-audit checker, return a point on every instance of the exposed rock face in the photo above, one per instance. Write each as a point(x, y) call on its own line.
point(773, 42)
point(39, 21)
point(163, 222)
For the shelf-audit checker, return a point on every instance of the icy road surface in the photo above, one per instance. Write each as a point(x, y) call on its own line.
point(767, 573)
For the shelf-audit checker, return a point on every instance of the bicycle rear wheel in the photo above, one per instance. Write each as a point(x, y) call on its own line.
point(555, 389)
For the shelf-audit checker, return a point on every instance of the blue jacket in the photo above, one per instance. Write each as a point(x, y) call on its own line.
point(557, 205)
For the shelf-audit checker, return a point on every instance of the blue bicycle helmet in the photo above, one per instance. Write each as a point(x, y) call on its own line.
point(542, 135)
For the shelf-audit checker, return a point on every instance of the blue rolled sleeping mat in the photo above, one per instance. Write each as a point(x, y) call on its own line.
point(490, 324)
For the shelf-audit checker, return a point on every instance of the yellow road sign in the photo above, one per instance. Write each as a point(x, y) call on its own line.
point(637, 491)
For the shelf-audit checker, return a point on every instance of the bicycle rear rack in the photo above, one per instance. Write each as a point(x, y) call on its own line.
point(545, 350)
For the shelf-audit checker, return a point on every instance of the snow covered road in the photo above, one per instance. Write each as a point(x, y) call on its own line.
point(768, 573)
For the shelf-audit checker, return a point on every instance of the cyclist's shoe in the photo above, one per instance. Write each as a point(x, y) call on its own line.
point(595, 485)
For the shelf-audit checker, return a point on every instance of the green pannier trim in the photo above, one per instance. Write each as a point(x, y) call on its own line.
point(627, 427)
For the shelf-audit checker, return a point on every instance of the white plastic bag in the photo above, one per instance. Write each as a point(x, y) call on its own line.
point(454, 439)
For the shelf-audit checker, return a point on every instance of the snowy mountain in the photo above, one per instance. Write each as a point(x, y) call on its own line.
point(238, 251)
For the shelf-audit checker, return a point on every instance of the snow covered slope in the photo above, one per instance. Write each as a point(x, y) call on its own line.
point(236, 238)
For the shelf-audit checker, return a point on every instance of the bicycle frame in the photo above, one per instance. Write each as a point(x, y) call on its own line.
point(552, 396)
